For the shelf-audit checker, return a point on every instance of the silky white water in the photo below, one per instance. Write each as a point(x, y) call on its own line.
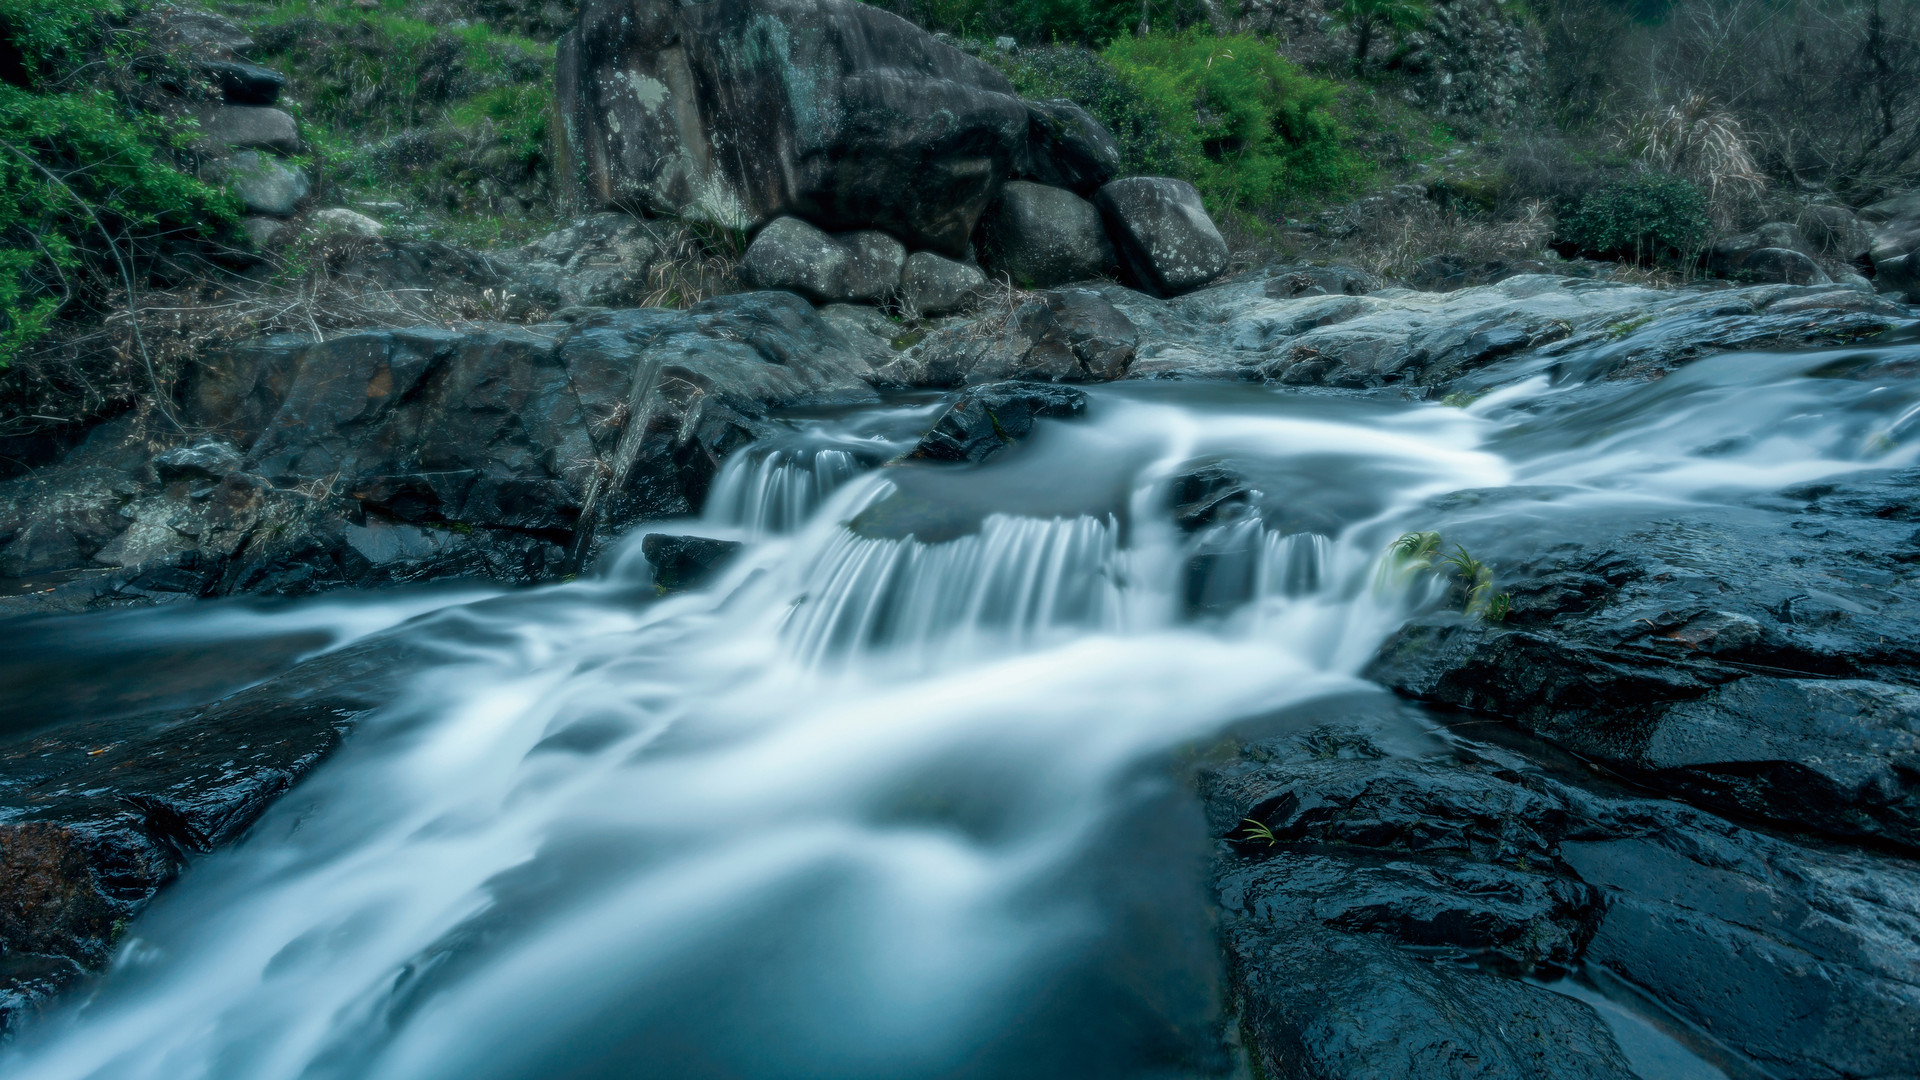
point(874, 804)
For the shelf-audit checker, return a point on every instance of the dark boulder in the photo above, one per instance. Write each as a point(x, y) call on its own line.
point(790, 254)
point(1210, 494)
point(1410, 878)
point(1782, 265)
point(1167, 243)
point(933, 285)
point(741, 111)
point(1068, 148)
point(243, 83)
point(1724, 658)
point(1835, 232)
point(987, 419)
point(1040, 236)
point(685, 562)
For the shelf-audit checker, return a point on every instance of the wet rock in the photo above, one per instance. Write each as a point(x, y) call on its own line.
point(987, 419)
point(1068, 148)
point(1412, 875)
point(742, 111)
point(249, 127)
point(262, 183)
point(242, 83)
point(1211, 494)
point(791, 254)
point(96, 816)
point(1039, 236)
point(685, 562)
point(208, 459)
point(933, 286)
point(1293, 283)
point(201, 33)
point(1167, 243)
point(1723, 658)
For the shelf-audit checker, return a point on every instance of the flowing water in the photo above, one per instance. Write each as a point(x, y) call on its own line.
point(905, 799)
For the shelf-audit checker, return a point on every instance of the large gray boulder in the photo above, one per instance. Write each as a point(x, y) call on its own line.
point(1896, 245)
point(741, 111)
point(862, 267)
point(1068, 148)
point(1167, 243)
point(1042, 236)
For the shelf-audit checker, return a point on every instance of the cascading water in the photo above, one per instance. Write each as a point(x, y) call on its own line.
point(896, 797)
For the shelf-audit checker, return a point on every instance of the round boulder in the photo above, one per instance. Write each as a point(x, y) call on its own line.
point(1167, 243)
point(1043, 236)
point(790, 254)
point(939, 286)
point(1782, 265)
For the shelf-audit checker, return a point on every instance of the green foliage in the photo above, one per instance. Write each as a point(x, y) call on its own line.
point(1228, 114)
point(453, 122)
point(1090, 80)
point(1419, 552)
point(90, 194)
point(1253, 130)
point(1646, 217)
point(1370, 18)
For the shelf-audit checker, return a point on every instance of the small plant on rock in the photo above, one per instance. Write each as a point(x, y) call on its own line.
point(1255, 832)
point(1416, 552)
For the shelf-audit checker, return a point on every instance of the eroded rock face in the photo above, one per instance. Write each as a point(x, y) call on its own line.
point(740, 111)
point(405, 455)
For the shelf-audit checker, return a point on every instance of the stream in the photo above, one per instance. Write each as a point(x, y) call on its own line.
point(909, 797)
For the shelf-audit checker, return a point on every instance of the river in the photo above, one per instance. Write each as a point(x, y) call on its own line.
point(908, 797)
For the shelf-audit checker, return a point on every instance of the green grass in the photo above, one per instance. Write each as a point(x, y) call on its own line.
point(1245, 126)
point(90, 191)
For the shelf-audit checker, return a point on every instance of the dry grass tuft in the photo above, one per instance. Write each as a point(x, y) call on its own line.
point(1706, 144)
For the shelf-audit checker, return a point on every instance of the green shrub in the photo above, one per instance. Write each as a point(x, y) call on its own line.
point(90, 194)
point(1088, 79)
point(449, 121)
point(1253, 131)
point(1646, 217)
